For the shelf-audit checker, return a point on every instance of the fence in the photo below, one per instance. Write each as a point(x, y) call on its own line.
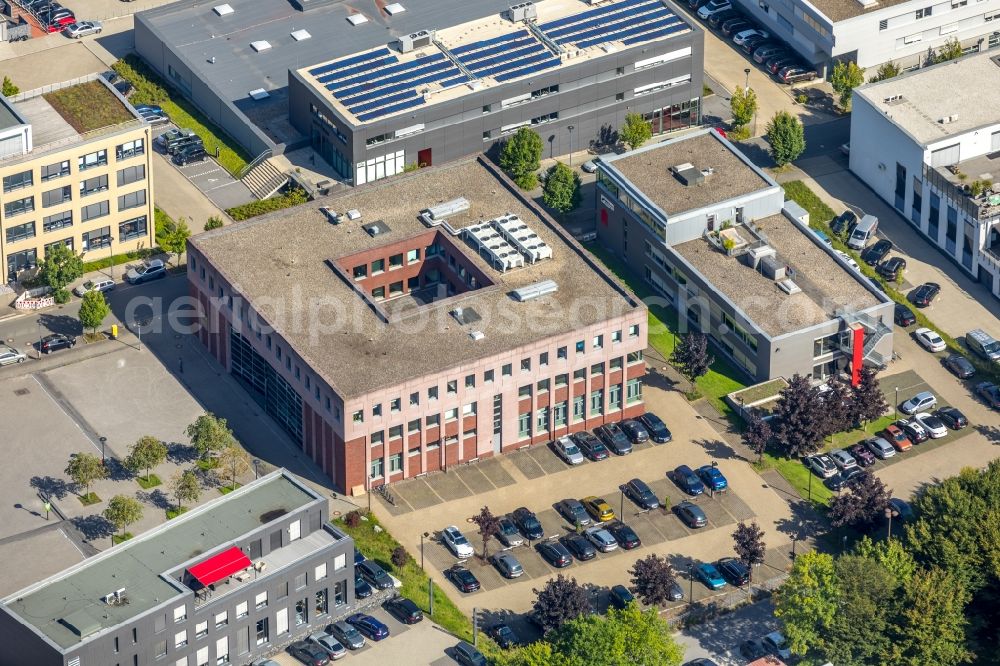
point(704, 611)
point(35, 299)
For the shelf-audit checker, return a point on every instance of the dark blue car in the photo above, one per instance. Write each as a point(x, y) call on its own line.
point(688, 481)
point(369, 626)
point(712, 477)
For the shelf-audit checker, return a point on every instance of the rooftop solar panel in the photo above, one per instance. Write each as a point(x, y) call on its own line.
point(606, 28)
point(606, 20)
point(337, 64)
point(385, 72)
point(602, 37)
point(364, 117)
point(546, 64)
point(352, 71)
point(656, 34)
point(593, 13)
point(493, 50)
point(371, 86)
point(385, 101)
point(516, 64)
point(448, 83)
point(506, 57)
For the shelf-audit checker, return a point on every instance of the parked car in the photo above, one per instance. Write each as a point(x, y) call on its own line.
point(716, 19)
point(881, 448)
point(527, 522)
point(710, 576)
point(929, 340)
point(844, 223)
point(691, 514)
point(913, 430)
point(835, 482)
point(598, 509)
point(102, 284)
point(621, 597)
point(983, 345)
point(554, 553)
point(172, 136)
point(639, 492)
point(822, 465)
point(990, 393)
point(333, 648)
point(741, 37)
point(613, 437)
point(765, 51)
point(577, 544)
point(154, 118)
point(848, 259)
point(9, 355)
point(731, 26)
point(712, 477)
point(503, 635)
point(952, 417)
point(934, 426)
point(463, 579)
point(776, 644)
point(635, 431)
point(623, 534)
point(852, 475)
point(862, 455)
point(507, 565)
point(82, 29)
point(752, 649)
point(350, 637)
point(890, 268)
point(148, 108)
point(188, 154)
point(777, 63)
point(687, 480)
point(601, 538)
point(362, 590)
point(375, 575)
point(57, 23)
point(875, 253)
point(573, 511)
point(456, 542)
point(903, 316)
point(183, 142)
point(55, 342)
point(842, 459)
point(895, 436)
point(404, 610)
point(902, 508)
point(591, 446)
point(656, 428)
point(149, 270)
point(960, 366)
point(924, 295)
point(467, 655)
point(713, 7)
point(795, 74)
point(309, 653)
point(921, 402)
point(567, 449)
point(734, 571)
point(751, 43)
point(508, 534)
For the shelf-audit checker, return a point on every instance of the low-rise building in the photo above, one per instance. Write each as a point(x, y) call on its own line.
point(76, 165)
point(712, 234)
point(223, 583)
point(935, 158)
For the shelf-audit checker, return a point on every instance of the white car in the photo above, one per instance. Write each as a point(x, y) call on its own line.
point(843, 459)
point(567, 449)
point(103, 284)
point(589, 166)
point(744, 35)
point(328, 644)
point(881, 448)
point(934, 426)
point(921, 402)
point(82, 29)
point(930, 340)
point(849, 259)
point(775, 643)
point(713, 7)
point(154, 118)
point(601, 538)
point(9, 355)
point(822, 465)
point(456, 542)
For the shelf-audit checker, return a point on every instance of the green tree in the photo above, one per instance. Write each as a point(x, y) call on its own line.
point(539, 653)
point(145, 454)
point(787, 138)
point(691, 356)
point(209, 435)
point(636, 131)
point(859, 633)
point(93, 310)
point(931, 625)
point(892, 554)
point(743, 104)
point(628, 636)
point(59, 268)
point(521, 157)
point(950, 50)
point(9, 89)
point(175, 238)
point(84, 469)
point(214, 222)
point(185, 487)
point(233, 462)
point(122, 511)
point(886, 70)
point(807, 602)
point(845, 78)
point(561, 190)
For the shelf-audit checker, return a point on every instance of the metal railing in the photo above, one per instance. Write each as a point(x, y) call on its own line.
point(264, 156)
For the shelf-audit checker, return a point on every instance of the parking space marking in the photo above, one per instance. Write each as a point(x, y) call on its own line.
point(418, 493)
point(528, 465)
point(474, 479)
point(493, 470)
point(449, 487)
point(547, 460)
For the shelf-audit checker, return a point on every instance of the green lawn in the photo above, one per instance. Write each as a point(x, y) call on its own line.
point(206, 464)
point(228, 488)
point(88, 106)
point(147, 482)
point(378, 546)
point(174, 512)
point(120, 538)
point(798, 475)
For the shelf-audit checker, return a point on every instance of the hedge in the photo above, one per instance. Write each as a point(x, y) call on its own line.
point(293, 197)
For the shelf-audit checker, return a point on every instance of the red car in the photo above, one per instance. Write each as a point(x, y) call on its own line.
point(895, 436)
point(58, 24)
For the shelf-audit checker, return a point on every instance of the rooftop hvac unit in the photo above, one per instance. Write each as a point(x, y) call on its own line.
point(354, 214)
point(788, 286)
point(416, 40)
point(687, 174)
point(536, 290)
point(522, 12)
point(477, 335)
point(448, 208)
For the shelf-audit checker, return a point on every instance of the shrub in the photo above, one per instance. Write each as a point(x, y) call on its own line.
point(352, 519)
point(293, 197)
point(738, 133)
point(61, 296)
point(399, 556)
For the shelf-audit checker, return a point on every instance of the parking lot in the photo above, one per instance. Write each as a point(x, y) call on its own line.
point(220, 186)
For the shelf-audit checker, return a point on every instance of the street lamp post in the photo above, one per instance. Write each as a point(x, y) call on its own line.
point(747, 84)
point(256, 474)
point(691, 584)
point(40, 330)
point(104, 441)
point(571, 128)
point(794, 539)
point(810, 485)
point(621, 506)
point(368, 490)
point(890, 513)
point(422, 537)
point(895, 404)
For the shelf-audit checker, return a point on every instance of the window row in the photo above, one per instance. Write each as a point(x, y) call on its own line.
point(360, 272)
point(26, 178)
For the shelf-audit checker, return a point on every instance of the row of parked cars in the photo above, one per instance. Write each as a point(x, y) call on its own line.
point(183, 145)
point(50, 14)
point(616, 438)
point(773, 54)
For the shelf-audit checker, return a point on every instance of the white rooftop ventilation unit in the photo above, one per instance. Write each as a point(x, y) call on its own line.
point(223, 10)
point(522, 12)
point(448, 208)
point(354, 214)
point(260, 45)
point(536, 290)
point(394, 8)
point(947, 120)
point(518, 234)
point(788, 286)
point(258, 94)
point(477, 335)
point(501, 254)
point(416, 40)
point(300, 35)
point(357, 19)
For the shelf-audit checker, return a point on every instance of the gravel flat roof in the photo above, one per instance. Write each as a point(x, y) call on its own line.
point(287, 255)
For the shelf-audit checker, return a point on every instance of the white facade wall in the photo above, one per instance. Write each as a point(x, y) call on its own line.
point(877, 144)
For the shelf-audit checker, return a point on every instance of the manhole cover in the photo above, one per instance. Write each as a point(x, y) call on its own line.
point(22, 391)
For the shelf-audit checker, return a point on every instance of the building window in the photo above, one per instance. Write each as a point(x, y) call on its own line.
point(542, 420)
point(180, 614)
point(616, 363)
point(97, 239)
point(559, 414)
point(20, 232)
point(581, 347)
point(616, 336)
point(924, 13)
point(93, 185)
point(525, 365)
point(433, 420)
point(181, 638)
point(261, 601)
point(469, 409)
point(524, 425)
point(615, 398)
point(561, 353)
point(633, 391)
point(395, 463)
point(413, 256)
point(432, 393)
point(360, 272)
point(579, 405)
point(395, 405)
point(201, 629)
point(524, 391)
point(340, 593)
point(129, 149)
point(542, 385)
point(18, 180)
point(598, 342)
point(132, 200)
point(222, 651)
point(451, 414)
point(507, 370)
point(377, 468)
point(579, 375)
point(395, 432)
point(221, 619)
point(470, 381)
point(377, 438)
point(131, 229)
point(94, 211)
point(543, 360)
point(395, 261)
point(159, 650)
point(242, 609)
point(452, 387)
point(261, 631)
point(91, 160)
point(825, 345)
point(597, 369)
point(53, 171)
point(597, 402)
point(634, 357)
point(321, 607)
point(562, 380)
point(633, 331)
point(395, 289)
point(132, 174)
point(19, 207)
point(488, 377)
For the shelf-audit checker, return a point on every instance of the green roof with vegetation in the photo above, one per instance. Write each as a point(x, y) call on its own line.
point(89, 106)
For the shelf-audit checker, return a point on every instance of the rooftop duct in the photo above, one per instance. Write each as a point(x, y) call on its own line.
point(536, 290)
point(687, 174)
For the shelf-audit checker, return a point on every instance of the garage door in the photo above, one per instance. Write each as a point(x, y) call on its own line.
point(945, 156)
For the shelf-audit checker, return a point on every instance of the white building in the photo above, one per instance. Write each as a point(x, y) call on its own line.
point(928, 142)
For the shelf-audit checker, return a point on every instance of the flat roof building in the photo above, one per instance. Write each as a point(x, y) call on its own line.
point(375, 89)
point(934, 157)
point(711, 233)
point(204, 585)
point(402, 328)
point(76, 170)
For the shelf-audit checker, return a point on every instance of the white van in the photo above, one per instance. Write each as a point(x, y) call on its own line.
point(863, 232)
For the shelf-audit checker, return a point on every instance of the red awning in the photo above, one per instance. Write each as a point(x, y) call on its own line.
point(219, 566)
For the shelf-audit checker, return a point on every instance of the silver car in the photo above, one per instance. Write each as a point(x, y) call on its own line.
point(103, 284)
point(507, 565)
point(9, 355)
point(601, 538)
point(82, 29)
point(842, 459)
point(822, 465)
point(567, 449)
point(881, 448)
point(921, 402)
point(328, 644)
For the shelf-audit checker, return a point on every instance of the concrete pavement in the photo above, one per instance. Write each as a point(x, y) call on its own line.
point(179, 197)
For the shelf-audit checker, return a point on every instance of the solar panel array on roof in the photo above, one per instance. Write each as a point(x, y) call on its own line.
point(506, 57)
point(629, 21)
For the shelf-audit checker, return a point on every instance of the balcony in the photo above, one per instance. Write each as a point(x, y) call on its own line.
point(970, 185)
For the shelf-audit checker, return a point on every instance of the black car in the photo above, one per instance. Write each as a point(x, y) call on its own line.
point(580, 546)
point(55, 342)
point(362, 590)
point(903, 316)
point(640, 493)
point(190, 154)
point(952, 418)
point(309, 653)
point(463, 579)
point(890, 268)
point(735, 572)
point(852, 475)
point(467, 655)
point(358, 557)
point(877, 252)
point(404, 610)
point(835, 482)
point(527, 522)
point(717, 19)
point(503, 635)
point(183, 142)
point(734, 25)
point(916, 434)
point(924, 295)
point(555, 553)
point(613, 437)
point(623, 534)
point(621, 597)
point(844, 223)
point(374, 575)
point(862, 455)
point(775, 63)
point(691, 514)
point(688, 481)
point(960, 366)
point(656, 428)
point(591, 446)
point(751, 43)
point(752, 649)
point(634, 430)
